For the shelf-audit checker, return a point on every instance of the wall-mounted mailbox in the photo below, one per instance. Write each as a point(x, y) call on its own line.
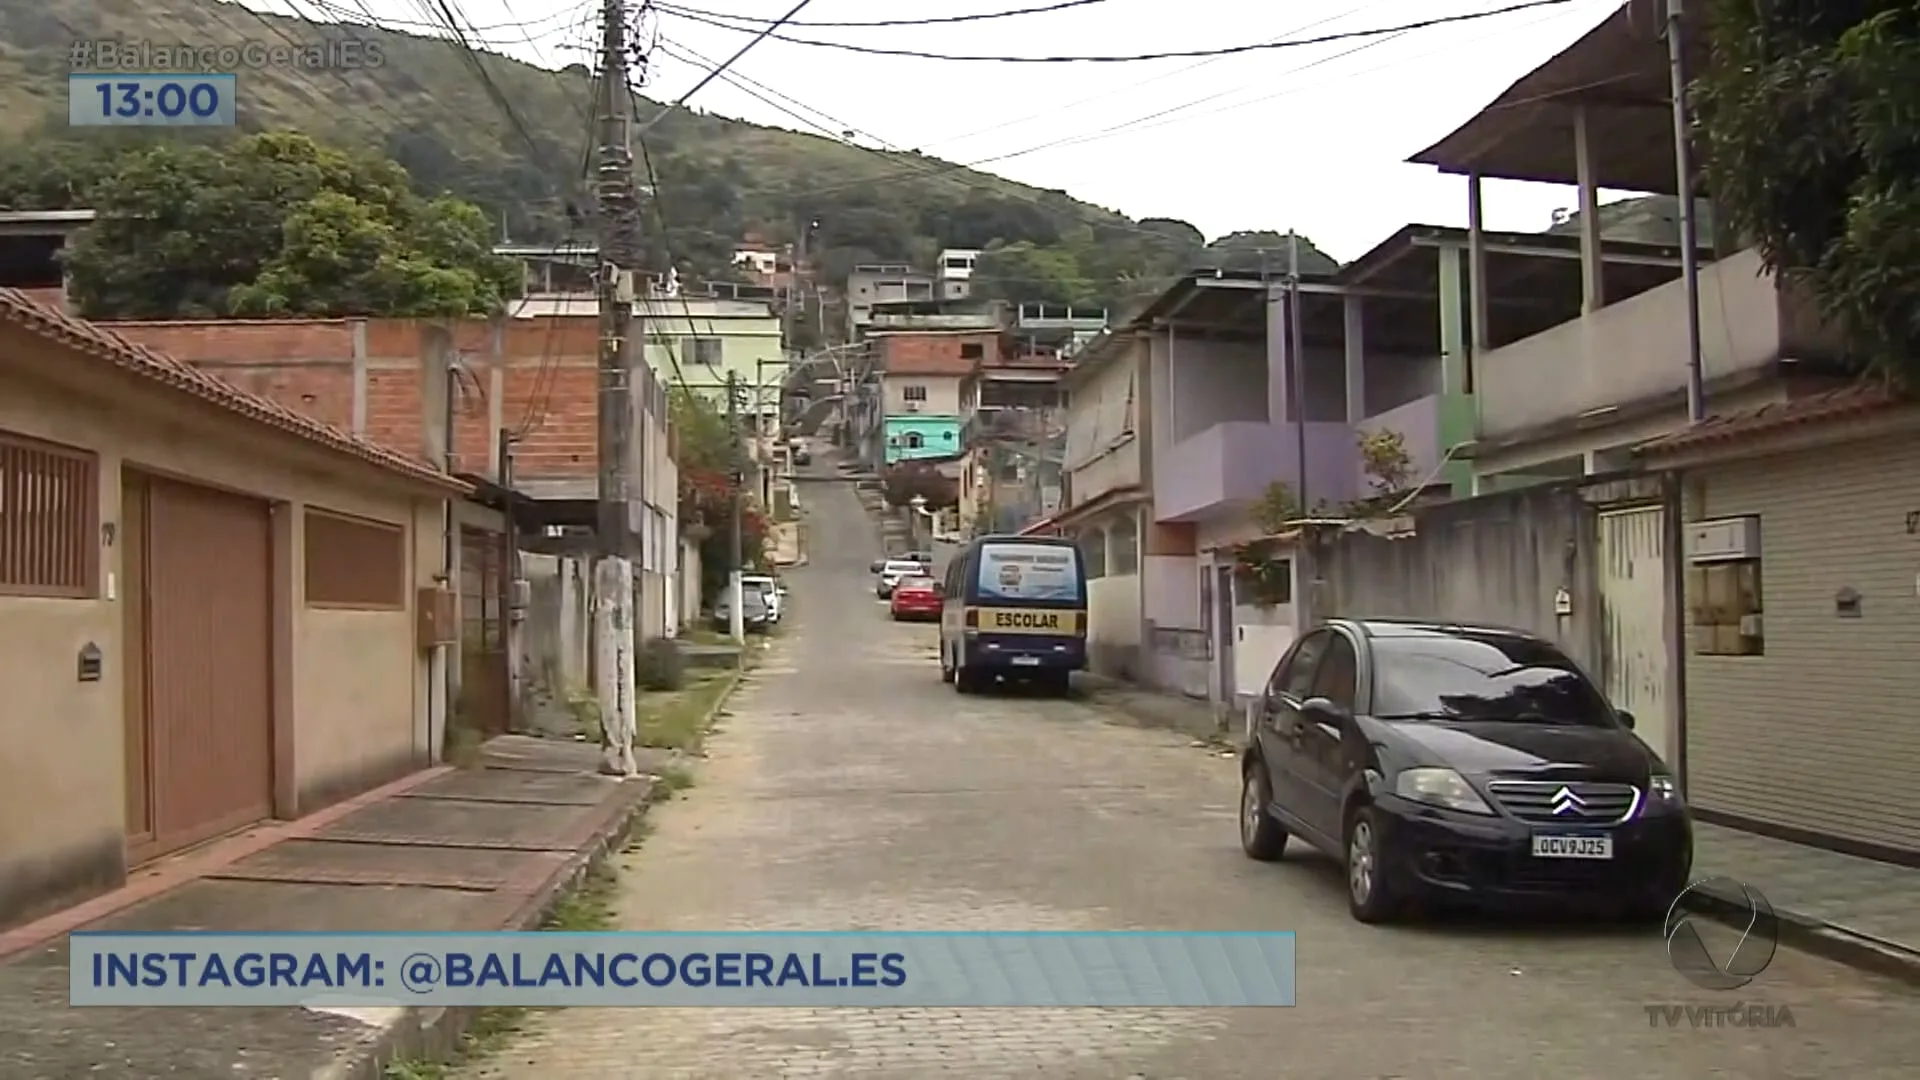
point(437, 617)
point(90, 663)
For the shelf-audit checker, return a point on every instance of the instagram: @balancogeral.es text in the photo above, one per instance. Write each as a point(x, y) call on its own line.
point(156, 57)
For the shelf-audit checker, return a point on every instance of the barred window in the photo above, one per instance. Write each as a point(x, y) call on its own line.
point(49, 519)
point(355, 563)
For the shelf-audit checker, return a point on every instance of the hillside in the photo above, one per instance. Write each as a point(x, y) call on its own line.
point(427, 108)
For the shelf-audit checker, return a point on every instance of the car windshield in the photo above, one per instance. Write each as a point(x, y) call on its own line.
point(1481, 678)
point(899, 568)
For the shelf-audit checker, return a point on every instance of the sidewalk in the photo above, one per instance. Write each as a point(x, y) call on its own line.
point(489, 848)
point(1858, 911)
point(1151, 707)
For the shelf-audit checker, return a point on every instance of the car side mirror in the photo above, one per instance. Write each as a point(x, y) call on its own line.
point(939, 589)
point(1626, 718)
point(1323, 710)
point(876, 565)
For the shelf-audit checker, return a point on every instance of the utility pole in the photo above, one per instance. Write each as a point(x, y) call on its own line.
point(1297, 367)
point(736, 618)
point(1689, 222)
point(618, 224)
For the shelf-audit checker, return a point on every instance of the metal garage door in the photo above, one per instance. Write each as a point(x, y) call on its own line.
point(206, 610)
point(1633, 599)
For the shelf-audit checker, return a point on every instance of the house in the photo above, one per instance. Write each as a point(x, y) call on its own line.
point(519, 395)
point(1798, 524)
point(1108, 507)
point(920, 375)
point(1572, 391)
point(880, 283)
point(1572, 395)
point(1014, 431)
point(214, 609)
point(32, 243)
point(954, 278)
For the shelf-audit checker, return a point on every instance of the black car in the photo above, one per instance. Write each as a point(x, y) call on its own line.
point(1454, 763)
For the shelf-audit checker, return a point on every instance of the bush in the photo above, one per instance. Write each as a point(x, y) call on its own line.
point(659, 665)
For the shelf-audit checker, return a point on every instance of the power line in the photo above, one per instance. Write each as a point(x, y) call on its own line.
point(757, 38)
point(1065, 5)
point(1183, 54)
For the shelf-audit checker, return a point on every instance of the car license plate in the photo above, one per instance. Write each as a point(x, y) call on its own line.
point(1026, 661)
point(1572, 847)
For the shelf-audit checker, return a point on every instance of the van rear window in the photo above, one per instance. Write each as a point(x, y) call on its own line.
point(1015, 572)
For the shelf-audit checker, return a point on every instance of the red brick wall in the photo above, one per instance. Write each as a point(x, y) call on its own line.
point(935, 354)
point(546, 380)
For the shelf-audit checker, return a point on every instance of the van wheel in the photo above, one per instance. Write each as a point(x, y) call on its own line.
point(966, 681)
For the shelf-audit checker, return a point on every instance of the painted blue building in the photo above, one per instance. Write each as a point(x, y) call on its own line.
point(919, 437)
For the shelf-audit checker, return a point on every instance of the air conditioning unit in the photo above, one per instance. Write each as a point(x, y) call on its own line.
point(913, 406)
point(1723, 540)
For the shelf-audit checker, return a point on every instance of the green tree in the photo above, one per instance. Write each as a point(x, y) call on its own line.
point(277, 223)
point(1031, 272)
point(1810, 137)
point(1264, 250)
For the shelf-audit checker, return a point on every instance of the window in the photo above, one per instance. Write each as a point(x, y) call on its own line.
point(1335, 679)
point(1725, 611)
point(1294, 677)
point(49, 519)
point(355, 563)
point(959, 262)
point(972, 350)
point(913, 393)
point(702, 350)
point(914, 440)
point(1485, 678)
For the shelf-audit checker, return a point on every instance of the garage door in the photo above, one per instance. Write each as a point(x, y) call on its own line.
point(208, 659)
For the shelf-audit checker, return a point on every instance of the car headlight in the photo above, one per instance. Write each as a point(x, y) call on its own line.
point(1440, 787)
point(1662, 790)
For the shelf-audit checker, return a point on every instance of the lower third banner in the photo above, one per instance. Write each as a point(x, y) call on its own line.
point(544, 969)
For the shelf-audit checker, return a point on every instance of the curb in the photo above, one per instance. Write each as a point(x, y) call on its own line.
point(435, 1034)
point(1114, 698)
point(1813, 935)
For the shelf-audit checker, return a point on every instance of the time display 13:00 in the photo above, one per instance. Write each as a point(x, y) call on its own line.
point(151, 100)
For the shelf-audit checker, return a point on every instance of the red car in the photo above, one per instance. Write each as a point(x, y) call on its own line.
point(916, 598)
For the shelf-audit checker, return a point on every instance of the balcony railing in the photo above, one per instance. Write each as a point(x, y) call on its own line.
point(1637, 348)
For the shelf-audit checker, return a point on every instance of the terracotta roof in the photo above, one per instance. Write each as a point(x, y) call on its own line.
point(102, 344)
point(1826, 407)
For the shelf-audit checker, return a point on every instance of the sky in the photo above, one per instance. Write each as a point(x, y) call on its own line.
point(1312, 138)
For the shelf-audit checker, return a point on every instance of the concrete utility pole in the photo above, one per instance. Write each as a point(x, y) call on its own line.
point(736, 618)
point(614, 599)
point(1297, 368)
point(1689, 224)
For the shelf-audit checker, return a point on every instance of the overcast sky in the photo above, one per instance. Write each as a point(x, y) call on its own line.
point(1311, 138)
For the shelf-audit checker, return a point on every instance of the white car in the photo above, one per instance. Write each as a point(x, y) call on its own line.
point(768, 587)
point(891, 571)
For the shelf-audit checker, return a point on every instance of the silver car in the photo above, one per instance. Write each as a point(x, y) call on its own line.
point(755, 616)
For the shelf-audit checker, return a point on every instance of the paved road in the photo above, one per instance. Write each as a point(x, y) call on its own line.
point(851, 790)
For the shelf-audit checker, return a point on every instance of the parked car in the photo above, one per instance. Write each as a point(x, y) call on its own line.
point(915, 599)
point(755, 617)
point(770, 590)
point(1460, 764)
point(892, 570)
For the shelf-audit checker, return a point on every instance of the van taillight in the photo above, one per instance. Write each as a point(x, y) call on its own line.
point(973, 618)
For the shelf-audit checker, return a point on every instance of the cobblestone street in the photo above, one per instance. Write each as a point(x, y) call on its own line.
point(849, 789)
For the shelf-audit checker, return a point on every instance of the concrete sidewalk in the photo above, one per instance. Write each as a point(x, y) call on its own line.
point(489, 848)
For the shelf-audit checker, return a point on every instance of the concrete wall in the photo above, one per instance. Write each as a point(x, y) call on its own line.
point(1637, 348)
point(939, 437)
point(943, 394)
point(558, 629)
point(356, 701)
point(1497, 559)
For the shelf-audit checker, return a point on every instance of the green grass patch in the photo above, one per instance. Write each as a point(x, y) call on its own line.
point(678, 720)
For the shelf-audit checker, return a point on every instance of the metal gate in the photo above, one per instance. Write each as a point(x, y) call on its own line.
point(1633, 603)
point(485, 695)
point(204, 620)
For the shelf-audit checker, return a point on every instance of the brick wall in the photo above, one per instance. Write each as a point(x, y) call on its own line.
point(936, 354)
point(534, 376)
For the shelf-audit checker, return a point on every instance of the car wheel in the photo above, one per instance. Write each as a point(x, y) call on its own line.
point(1370, 895)
point(965, 681)
point(1261, 837)
point(1057, 684)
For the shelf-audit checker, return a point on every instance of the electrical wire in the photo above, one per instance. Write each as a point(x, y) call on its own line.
point(944, 20)
point(1131, 58)
point(723, 65)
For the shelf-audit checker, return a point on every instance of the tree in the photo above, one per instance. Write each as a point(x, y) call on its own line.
point(901, 482)
point(708, 457)
point(1265, 250)
point(1030, 272)
point(278, 224)
point(1806, 113)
